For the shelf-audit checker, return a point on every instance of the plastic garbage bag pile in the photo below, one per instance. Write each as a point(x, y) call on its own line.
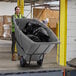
point(36, 32)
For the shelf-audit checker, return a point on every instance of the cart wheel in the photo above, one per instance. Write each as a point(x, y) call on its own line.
point(22, 62)
point(39, 62)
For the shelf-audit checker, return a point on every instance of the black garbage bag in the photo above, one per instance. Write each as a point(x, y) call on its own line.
point(36, 30)
point(34, 38)
point(30, 27)
point(42, 34)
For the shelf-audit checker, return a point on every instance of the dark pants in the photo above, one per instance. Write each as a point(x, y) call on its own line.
point(13, 43)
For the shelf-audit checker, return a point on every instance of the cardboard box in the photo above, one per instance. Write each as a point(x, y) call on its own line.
point(7, 31)
point(42, 14)
point(6, 19)
point(1, 30)
point(1, 19)
point(53, 22)
point(54, 30)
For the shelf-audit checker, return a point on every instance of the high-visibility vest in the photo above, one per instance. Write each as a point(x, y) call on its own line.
point(13, 25)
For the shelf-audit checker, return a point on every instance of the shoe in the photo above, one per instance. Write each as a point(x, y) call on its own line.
point(14, 57)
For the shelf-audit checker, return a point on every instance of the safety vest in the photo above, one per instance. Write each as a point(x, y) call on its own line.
point(13, 25)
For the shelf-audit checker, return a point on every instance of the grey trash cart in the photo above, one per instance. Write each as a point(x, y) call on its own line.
point(28, 49)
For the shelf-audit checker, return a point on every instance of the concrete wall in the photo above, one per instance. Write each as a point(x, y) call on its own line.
point(7, 8)
point(71, 30)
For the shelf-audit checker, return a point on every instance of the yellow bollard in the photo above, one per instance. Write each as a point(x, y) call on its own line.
point(57, 34)
point(63, 32)
point(15, 48)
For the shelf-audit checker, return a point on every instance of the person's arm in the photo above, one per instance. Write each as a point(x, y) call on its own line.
point(12, 18)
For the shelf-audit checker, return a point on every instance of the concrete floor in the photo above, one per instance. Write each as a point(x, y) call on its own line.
point(13, 66)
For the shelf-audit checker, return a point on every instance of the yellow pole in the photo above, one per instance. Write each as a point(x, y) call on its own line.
point(63, 31)
point(20, 3)
point(22, 7)
point(58, 35)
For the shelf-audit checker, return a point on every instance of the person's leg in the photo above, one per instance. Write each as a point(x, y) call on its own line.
point(13, 42)
point(13, 46)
